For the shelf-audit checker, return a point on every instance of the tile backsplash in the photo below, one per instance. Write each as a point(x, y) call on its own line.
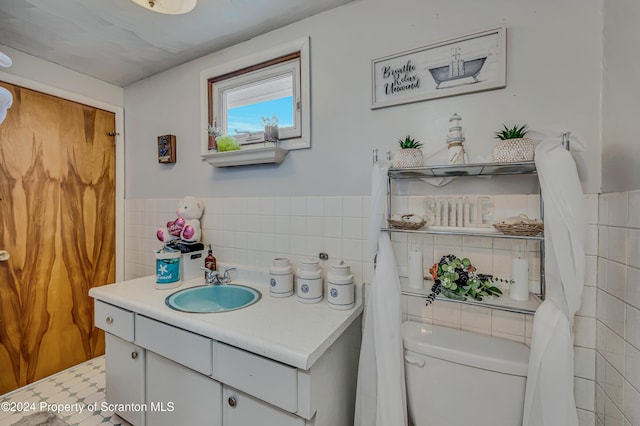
point(252, 231)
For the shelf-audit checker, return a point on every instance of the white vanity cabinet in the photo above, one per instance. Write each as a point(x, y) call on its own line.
point(241, 409)
point(125, 361)
point(177, 395)
point(181, 377)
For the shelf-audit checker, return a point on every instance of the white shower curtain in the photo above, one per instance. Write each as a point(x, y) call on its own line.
point(549, 399)
point(381, 394)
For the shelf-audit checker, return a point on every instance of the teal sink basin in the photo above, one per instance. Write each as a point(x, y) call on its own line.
point(212, 298)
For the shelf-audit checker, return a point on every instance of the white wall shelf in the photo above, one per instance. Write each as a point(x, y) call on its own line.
point(470, 232)
point(474, 169)
point(244, 157)
point(503, 303)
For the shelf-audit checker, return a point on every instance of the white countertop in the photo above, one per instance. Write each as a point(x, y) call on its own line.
point(281, 329)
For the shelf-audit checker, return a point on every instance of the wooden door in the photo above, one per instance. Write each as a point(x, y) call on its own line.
point(57, 221)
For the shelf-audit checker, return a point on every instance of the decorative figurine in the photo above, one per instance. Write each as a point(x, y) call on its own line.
point(187, 226)
point(455, 142)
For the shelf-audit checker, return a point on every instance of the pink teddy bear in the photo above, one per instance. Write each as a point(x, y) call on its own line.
point(187, 225)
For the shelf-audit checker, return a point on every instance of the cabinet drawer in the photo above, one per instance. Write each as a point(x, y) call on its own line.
point(263, 378)
point(114, 320)
point(186, 348)
point(238, 408)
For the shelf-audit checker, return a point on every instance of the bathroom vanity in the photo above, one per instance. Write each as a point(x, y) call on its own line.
point(277, 362)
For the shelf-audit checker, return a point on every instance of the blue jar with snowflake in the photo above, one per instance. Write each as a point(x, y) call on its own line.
point(167, 269)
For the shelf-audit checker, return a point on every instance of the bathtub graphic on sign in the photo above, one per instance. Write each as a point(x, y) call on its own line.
point(458, 68)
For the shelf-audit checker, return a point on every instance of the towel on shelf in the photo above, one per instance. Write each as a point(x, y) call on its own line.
point(439, 157)
point(549, 398)
point(381, 394)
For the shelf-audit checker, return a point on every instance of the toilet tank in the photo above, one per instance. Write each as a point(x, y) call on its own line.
point(461, 378)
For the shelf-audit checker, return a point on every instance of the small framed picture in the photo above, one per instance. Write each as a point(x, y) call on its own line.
point(167, 149)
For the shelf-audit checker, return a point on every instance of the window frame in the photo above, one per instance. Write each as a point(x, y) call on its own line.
point(265, 64)
point(218, 87)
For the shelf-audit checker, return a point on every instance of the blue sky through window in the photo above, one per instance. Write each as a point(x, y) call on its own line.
point(248, 118)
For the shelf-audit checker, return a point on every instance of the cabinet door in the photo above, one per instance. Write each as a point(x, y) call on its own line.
point(240, 409)
point(177, 395)
point(124, 377)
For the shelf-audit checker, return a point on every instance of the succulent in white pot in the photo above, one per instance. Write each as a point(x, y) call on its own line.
point(410, 154)
point(513, 145)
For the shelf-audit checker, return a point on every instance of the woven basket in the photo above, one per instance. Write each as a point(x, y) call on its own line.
point(521, 225)
point(402, 224)
point(407, 158)
point(511, 150)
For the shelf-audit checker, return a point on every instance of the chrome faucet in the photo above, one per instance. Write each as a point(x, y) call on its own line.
point(212, 277)
point(226, 278)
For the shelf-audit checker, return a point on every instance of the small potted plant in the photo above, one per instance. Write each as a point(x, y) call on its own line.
point(410, 154)
point(213, 133)
point(513, 145)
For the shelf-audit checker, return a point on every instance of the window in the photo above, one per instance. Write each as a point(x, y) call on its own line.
point(276, 88)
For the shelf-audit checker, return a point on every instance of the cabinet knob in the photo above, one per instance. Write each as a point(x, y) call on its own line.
point(109, 320)
point(134, 355)
point(232, 401)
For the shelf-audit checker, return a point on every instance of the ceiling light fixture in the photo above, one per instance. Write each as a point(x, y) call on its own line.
point(168, 7)
point(6, 98)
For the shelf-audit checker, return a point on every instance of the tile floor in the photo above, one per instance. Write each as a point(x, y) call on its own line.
point(72, 393)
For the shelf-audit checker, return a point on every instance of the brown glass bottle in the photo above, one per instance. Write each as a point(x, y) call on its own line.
point(210, 261)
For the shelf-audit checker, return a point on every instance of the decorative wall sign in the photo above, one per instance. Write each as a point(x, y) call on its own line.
point(167, 149)
point(472, 63)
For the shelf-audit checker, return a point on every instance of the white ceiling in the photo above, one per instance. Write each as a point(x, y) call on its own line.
point(120, 42)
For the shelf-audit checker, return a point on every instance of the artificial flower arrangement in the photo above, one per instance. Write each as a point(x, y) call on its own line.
point(458, 279)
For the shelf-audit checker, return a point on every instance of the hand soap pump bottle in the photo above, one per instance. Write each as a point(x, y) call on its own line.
point(210, 262)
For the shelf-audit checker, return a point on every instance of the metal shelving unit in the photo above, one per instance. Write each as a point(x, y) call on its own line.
point(502, 303)
point(470, 171)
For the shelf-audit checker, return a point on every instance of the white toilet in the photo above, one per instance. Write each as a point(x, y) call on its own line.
point(461, 378)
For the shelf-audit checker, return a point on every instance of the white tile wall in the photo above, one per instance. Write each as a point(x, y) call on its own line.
point(617, 396)
point(254, 230)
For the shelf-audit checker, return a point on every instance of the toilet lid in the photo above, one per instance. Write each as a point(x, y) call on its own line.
point(466, 348)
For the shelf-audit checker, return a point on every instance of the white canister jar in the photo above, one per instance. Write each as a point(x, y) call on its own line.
point(340, 287)
point(281, 278)
point(309, 281)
